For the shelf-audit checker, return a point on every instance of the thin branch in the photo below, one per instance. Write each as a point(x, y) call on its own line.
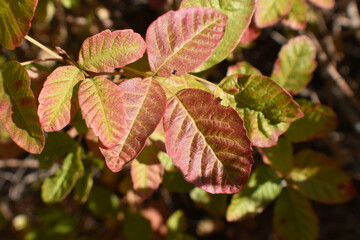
point(46, 49)
point(43, 60)
point(136, 71)
point(204, 81)
point(95, 74)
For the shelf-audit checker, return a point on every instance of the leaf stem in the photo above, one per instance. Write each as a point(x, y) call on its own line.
point(136, 71)
point(42, 60)
point(38, 44)
point(204, 81)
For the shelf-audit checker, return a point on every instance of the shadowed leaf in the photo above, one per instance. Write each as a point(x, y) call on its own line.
point(295, 64)
point(244, 68)
point(269, 12)
point(263, 187)
point(18, 109)
point(267, 109)
point(296, 19)
point(15, 21)
point(316, 176)
point(279, 157)
point(58, 98)
point(108, 50)
point(179, 42)
point(318, 121)
point(84, 185)
point(215, 204)
point(326, 4)
point(145, 103)
point(294, 218)
point(56, 187)
point(146, 172)
point(103, 109)
point(207, 142)
point(239, 15)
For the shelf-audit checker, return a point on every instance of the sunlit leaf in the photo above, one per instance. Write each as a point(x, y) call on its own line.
point(58, 98)
point(103, 109)
point(279, 157)
point(239, 15)
point(57, 145)
point(18, 109)
point(263, 187)
point(146, 172)
point(215, 204)
point(296, 19)
point(320, 179)
point(294, 218)
point(56, 187)
point(327, 4)
point(269, 12)
point(207, 142)
point(145, 103)
point(84, 185)
point(179, 42)
point(295, 64)
point(318, 121)
point(177, 83)
point(165, 160)
point(267, 109)
point(108, 50)
point(244, 68)
point(15, 21)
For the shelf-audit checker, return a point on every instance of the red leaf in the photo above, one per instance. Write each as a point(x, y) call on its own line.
point(181, 41)
point(145, 103)
point(108, 50)
point(103, 109)
point(58, 98)
point(207, 142)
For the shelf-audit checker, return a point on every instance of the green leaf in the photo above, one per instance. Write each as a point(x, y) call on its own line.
point(215, 204)
point(177, 221)
point(279, 157)
point(146, 172)
point(326, 4)
point(174, 182)
point(242, 68)
point(18, 109)
point(103, 109)
point(15, 21)
point(294, 218)
point(318, 122)
point(108, 50)
point(269, 12)
point(263, 187)
point(317, 176)
point(56, 187)
point(165, 160)
point(58, 101)
point(296, 19)
point(267, 109)
point(84, 185)
point(57, 145)
point(136, 227)
point(295, 64)
point(177, 83)
point(102, 203)
point(207, 142)
point(180, 41)
point(239, 15)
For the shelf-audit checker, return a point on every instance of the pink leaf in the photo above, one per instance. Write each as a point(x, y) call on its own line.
point(145, 103)
point(58, 98)
point(103, 109)
point(179, 42)
point(146, 172)
point(108, 50)
point(250, 34)
point(18, 109)
point(207, 142)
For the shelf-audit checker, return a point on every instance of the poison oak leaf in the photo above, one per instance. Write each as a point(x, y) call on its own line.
point(326, 4)
point(102, 107)
point(58, 101)
point(180, 41)
point(269, 12)
point(207, 142)
point(108, 50)
point(17, 108)
point(145, 103)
